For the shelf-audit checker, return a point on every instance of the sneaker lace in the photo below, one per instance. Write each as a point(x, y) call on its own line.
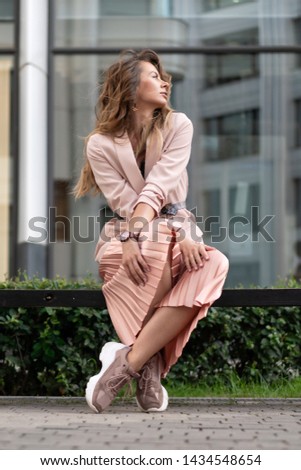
point(145, 382)
point(115, 383)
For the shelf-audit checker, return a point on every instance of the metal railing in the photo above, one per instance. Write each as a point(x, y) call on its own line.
point(94, 298)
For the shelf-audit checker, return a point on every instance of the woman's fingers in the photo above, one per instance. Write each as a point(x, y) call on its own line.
point(133, 275)
point(136, 269)
point(194, 256)
point(192, 261)
point(134, 263)
point(135, 272)
point(140, 275)
point(203, 252)
point(143, 264)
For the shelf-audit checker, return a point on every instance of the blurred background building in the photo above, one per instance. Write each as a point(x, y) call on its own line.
point(236, 67)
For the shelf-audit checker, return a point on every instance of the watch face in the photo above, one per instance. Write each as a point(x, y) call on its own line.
point(124, 236)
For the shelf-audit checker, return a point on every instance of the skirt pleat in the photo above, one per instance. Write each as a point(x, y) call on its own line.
point(129, 304)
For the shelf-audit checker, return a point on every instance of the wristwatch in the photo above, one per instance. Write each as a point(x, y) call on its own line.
point(126, 235)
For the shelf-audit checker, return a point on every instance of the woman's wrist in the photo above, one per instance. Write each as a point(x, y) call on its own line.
point(127, 235)
point(142, 216)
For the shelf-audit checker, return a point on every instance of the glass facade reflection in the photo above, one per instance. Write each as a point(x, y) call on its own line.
point(7, 160)
point(228, 68)
point(245, 168)
point(232, 136)
point(7, 14)
point(298, 123)
point(210, 5)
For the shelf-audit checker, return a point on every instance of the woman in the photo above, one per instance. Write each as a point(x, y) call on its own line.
point(159, 277)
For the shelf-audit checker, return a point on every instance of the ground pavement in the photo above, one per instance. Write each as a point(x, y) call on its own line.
point(196, 423)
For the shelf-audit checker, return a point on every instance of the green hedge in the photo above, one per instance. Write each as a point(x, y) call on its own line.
point(53, 351)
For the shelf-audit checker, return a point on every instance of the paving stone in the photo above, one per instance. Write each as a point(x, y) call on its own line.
point(208, 424)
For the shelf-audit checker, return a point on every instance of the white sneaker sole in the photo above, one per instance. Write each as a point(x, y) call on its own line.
point(162, 407)
point(106, 356)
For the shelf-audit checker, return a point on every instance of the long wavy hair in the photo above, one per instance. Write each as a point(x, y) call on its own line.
point(115, 107)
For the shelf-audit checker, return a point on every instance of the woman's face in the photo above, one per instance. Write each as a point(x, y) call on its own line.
point(152, 91)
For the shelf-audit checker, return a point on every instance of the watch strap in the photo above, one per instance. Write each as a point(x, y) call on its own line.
point(134, 235)
point(130, 235)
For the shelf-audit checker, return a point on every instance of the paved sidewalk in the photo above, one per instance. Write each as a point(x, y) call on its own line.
point(198, 423)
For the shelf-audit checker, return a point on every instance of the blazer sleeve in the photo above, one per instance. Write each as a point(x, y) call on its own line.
point(164, 175)
point(119, 194)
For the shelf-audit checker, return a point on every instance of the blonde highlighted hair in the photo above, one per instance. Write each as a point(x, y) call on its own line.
point(115, 107)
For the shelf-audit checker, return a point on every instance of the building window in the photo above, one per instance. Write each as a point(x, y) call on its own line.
point(135, 8)
point(243, 199)
point(227, 68)
point(212, 207)
point(297, 246)
point(60, 216)
point(297, 34)
point(297, 188)
point(128, 8)
point(67, 9)
point(298, 124)
point(232, 136)
point(7, 10)
point(297, 30)
point(210, 5)
point(6, 23)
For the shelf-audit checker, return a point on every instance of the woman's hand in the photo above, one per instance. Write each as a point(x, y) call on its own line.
point(193, 254)
point(133, 262)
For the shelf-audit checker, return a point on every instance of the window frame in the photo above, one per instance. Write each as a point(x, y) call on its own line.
point(297, 134)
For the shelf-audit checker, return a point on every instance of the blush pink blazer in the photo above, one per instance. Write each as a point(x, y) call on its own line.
point(117, 174)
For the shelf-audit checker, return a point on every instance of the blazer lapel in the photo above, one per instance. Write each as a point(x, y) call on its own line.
point(127, 160)
point(152, 155)
point(149, 157)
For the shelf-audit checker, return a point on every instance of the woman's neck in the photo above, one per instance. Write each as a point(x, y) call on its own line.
point(142, 118)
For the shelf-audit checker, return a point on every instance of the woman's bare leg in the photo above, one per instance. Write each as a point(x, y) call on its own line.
point(161, 324)
point(165, 324)
point(164, 287)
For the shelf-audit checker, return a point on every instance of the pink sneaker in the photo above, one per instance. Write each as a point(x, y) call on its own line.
point(150, 394)
point(115, 373)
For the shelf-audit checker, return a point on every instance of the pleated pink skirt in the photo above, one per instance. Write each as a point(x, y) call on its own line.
point(129, 304)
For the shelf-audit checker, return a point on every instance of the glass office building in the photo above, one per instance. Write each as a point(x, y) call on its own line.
point(236, 68)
